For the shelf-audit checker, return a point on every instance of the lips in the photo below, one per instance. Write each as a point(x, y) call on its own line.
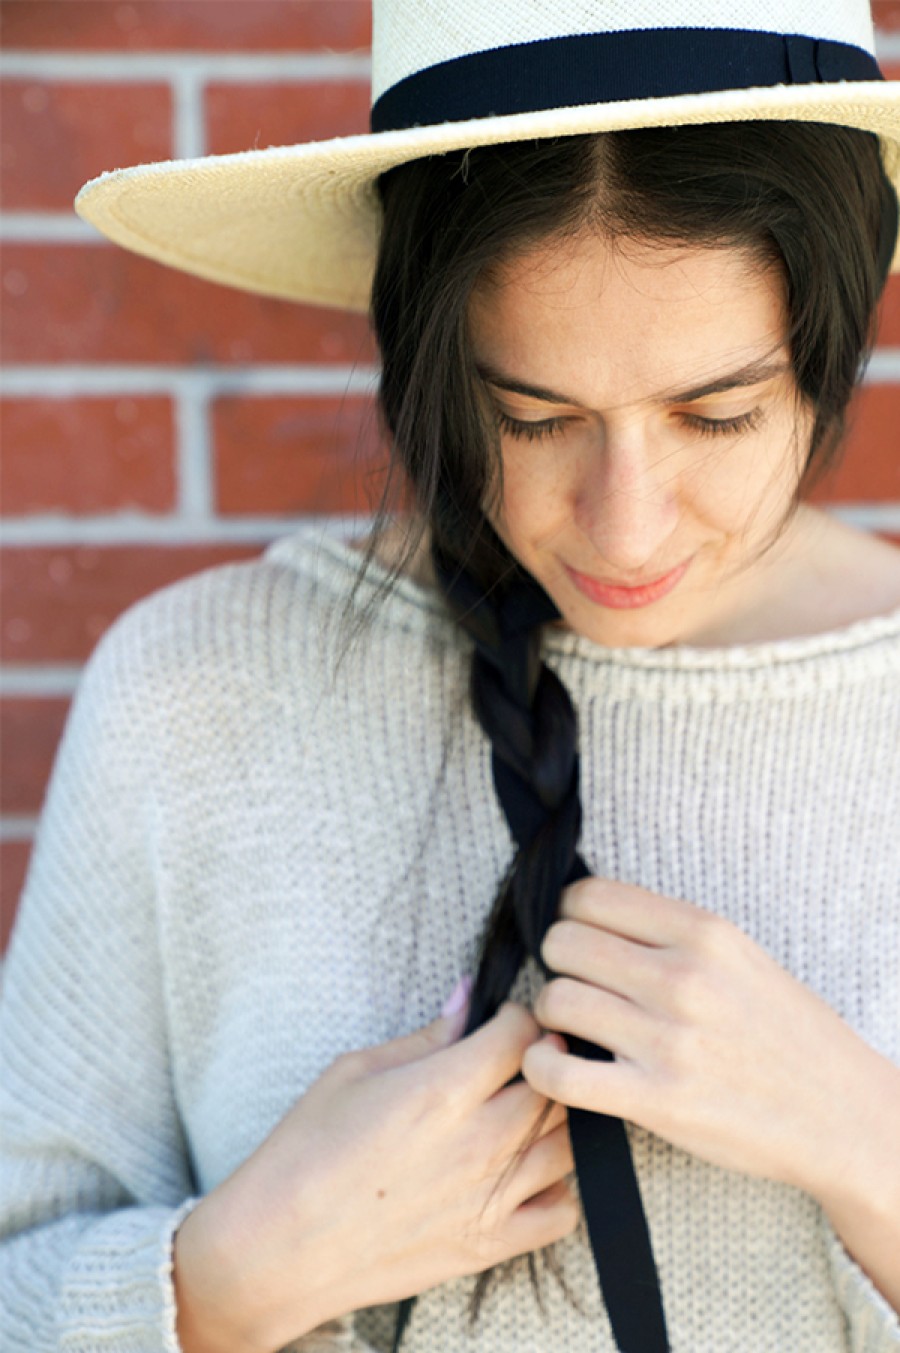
point(620, 597)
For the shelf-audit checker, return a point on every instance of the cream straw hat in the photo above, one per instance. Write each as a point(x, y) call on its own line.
point(302, 221)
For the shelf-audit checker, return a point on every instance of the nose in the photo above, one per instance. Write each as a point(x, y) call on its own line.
point(626, 500)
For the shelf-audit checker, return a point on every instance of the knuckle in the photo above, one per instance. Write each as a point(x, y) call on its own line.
point(434, 1096)
point(711, 933)
point(690, 989)
point(557, 942)
point(487, 1249)
point(519, 1024)
point(580, 896)
point(353, 1065)
point(678, 1048)
point(549, 1077)
point(557, 1000)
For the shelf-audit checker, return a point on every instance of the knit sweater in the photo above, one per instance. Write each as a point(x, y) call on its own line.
point(251, 860)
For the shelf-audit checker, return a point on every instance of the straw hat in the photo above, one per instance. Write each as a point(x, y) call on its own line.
point(302, 221)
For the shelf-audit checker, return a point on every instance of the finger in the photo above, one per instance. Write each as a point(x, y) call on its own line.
point(637, 913)
point(557, 1117)
point(613, 1088)
point(488, 1059)
point(602, 1017)
point(543, 1219)
point(626, 967)
point(543, 1164)
point(516, 1113)
point(407, 1048)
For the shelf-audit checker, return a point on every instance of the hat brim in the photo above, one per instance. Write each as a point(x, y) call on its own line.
point(301, 222)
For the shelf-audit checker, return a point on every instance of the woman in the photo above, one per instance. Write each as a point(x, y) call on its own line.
point(618, 677)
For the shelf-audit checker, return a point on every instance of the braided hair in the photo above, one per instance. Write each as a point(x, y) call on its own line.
point(527, 714)
point(821, 208)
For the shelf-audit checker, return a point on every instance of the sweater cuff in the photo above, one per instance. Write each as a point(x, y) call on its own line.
point(118, 1289)
point(873, 1324)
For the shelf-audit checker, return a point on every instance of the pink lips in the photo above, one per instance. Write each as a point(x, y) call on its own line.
point(623, 598)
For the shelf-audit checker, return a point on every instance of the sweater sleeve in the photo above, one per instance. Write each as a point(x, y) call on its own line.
point(873, 1324)
point(95, 1174)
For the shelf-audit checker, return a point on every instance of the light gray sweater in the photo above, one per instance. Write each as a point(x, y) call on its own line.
point(247, 864)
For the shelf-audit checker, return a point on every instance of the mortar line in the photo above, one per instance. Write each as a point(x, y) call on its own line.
point(16, 827)
point(221, 67)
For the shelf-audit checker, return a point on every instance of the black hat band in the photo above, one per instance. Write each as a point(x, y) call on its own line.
point(593, 68)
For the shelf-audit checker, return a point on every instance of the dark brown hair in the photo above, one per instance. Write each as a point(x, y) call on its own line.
point(812, 199)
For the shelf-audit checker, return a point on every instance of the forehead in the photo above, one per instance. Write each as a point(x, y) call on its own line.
point(612, 322)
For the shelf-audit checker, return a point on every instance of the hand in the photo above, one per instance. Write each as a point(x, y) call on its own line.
point(719, 1049)
point(400, 1168)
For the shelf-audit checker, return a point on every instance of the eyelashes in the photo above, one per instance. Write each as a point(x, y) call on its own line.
point(724, 427)
point(532, 432)
point(705, 427)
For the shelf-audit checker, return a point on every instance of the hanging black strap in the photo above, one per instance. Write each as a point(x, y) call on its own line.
point(613, 1208)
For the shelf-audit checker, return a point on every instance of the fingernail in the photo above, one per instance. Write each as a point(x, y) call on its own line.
point(458, 997)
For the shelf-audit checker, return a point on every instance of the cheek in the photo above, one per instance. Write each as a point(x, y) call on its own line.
point(537, 491)
point(744, 486)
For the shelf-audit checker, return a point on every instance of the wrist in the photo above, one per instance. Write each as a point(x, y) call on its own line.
point(239, 1288)
point(211, 1312)
point(860, 1171)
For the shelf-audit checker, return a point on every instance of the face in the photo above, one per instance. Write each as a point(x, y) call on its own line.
point(651, 433)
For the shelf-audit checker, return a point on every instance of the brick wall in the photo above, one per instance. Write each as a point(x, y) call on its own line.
point(154, 424)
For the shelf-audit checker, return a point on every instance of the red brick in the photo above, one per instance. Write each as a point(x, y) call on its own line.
point(14, 857)
point(247, 117)
point(57, 601)
point(191, 25)
point(870, 469)
point(293, 455)
point(31, 730)
point(87, 455)
point(886, 14)
point(56, 136)
point(99, 303)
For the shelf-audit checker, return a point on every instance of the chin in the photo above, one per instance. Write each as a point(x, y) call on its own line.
point(623, 630)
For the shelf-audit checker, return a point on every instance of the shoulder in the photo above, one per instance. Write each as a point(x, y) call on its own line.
point(264, 629)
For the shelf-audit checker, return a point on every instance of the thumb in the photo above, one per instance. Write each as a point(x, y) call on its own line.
point(440, 1033)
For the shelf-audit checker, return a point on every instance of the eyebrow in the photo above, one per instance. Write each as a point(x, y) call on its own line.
point(754, 374)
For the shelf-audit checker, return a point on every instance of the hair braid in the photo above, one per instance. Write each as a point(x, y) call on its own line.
point(528, 715)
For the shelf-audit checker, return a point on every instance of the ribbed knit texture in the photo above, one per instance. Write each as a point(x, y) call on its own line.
point(247, 865)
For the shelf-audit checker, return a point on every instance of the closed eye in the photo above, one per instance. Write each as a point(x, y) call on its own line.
point(706, 427)
point(517, 427)
point(722, 427)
